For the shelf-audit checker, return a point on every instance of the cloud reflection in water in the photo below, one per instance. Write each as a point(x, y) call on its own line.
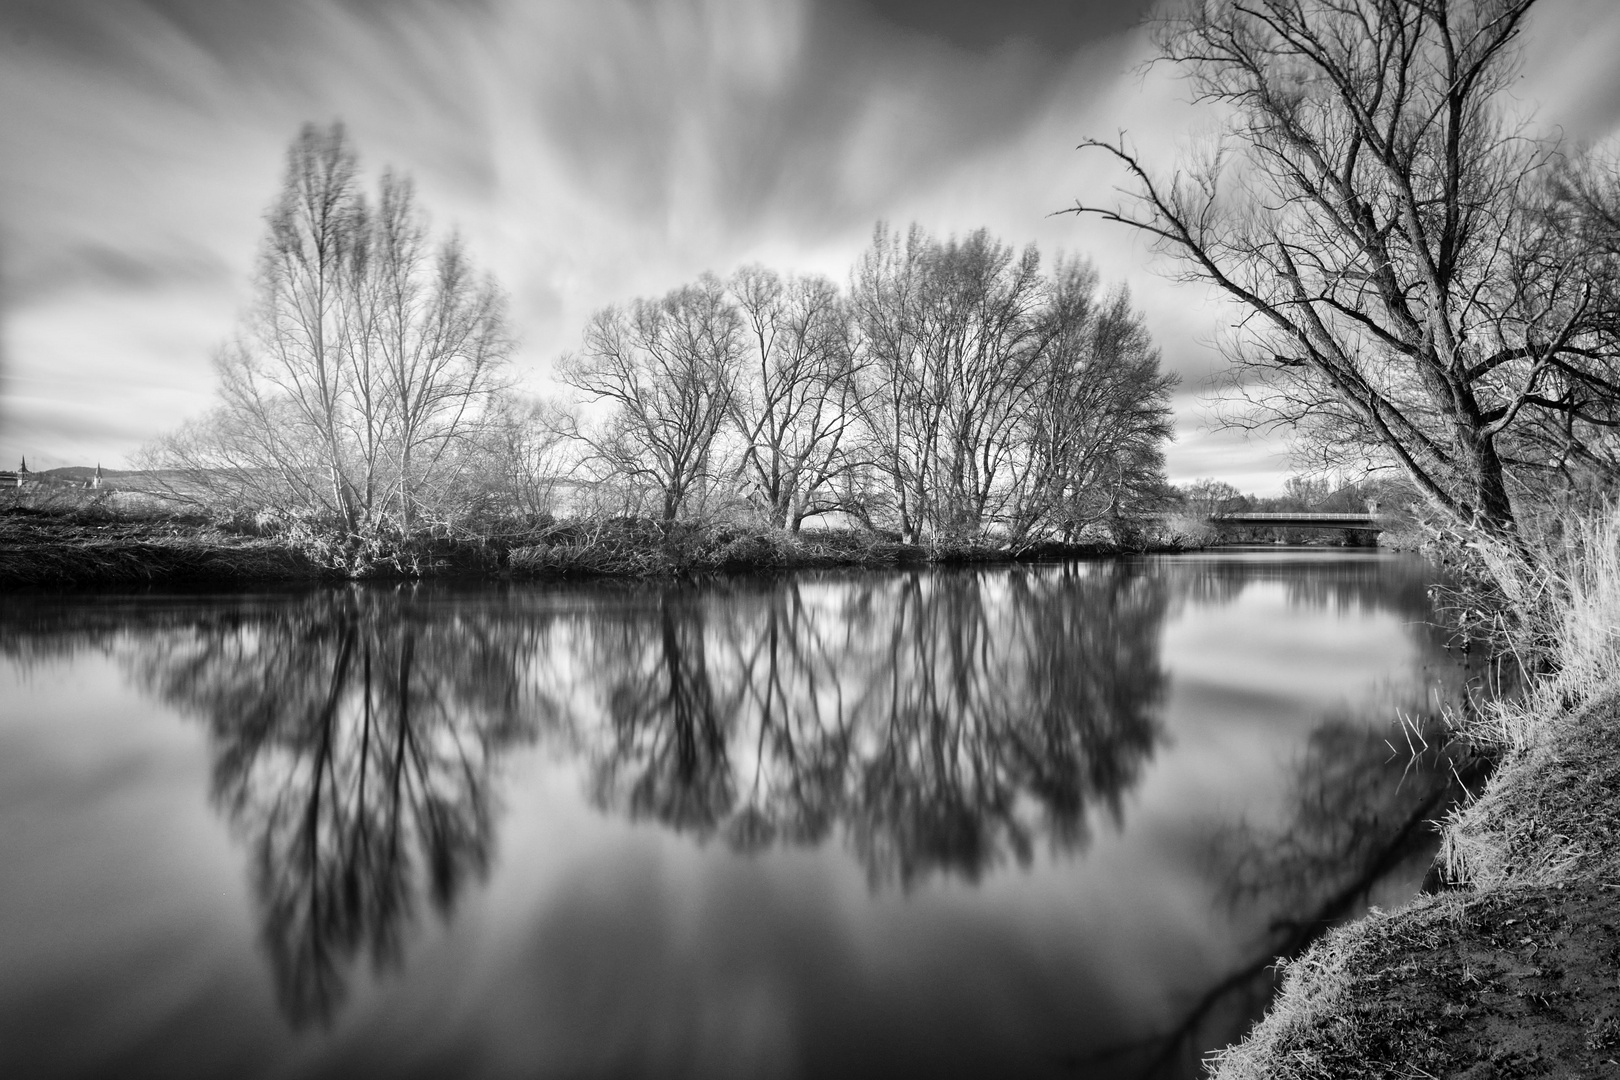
point(931, 723)
point(929, 731)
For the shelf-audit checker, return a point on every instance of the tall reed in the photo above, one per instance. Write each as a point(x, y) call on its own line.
point(1560, 617)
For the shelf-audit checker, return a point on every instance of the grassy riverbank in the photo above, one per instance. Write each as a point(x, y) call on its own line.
point(94, 546)
point(73, 550)
point(1515, 971)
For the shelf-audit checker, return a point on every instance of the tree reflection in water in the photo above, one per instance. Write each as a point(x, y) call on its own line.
point(1310, 581)
point(934, 721)
point(941, 721)
point(353, 741)
point(1360, 811)
point(931, 723)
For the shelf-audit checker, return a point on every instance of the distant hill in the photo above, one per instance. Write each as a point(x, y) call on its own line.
point(114, 479)
point(88, 472)
point(81, 473)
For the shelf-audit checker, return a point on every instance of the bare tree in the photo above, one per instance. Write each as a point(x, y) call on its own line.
point(1306, 492)
point(432, 335)
point(667, 369)
point(366, 367)
point(797, 402)
point(294, 403)
point(1209, 497)
point(1376, 216)
point(952, 330)
point(1578, 442)
point(982, 334)
point(529, 463)
point(1003, 398)
point(898, 412)
point(1097, 417)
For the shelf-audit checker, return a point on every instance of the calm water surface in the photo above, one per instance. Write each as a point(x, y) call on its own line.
point(1045, 821)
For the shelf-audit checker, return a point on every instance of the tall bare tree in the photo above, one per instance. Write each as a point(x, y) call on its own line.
point(1381, 222)
point(433, 334)
point(667, 370)
point(899, 413)
point(1097, 417)
point(289, 386)
point(1001, 397)
point(952, 329)
point(1578, 442)
point(797, 403)
point(982, 333)
point(1209, 496)
point(368, 364)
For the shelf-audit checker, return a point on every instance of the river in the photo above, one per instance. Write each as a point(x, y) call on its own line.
point(1043, 820)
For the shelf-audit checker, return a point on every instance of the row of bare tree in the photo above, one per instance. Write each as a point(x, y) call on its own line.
point(954, 389)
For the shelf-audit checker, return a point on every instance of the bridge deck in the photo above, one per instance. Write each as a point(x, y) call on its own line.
point(1299, 521)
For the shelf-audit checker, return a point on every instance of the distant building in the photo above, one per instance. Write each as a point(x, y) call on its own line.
point(15, 479)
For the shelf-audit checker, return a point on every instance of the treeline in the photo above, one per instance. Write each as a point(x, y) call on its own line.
point(1301, 494)
point(953, 389)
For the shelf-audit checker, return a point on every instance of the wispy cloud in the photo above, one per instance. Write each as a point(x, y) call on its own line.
point(590, 150)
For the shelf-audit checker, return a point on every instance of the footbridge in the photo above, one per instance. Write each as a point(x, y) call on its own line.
point(1360, 522)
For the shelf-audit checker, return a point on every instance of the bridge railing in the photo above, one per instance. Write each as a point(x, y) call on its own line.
point(1299, 520)
point(1269, 516)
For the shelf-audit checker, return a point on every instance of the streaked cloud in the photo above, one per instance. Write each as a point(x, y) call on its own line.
point(590, 150)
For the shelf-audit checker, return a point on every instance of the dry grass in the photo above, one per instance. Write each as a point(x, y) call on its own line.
point(597, 549)
point(1561, 619)
point(1506, 982)
point(1548, 820)
point(1312, 1030)
point(79, 562)
point(85, 542)
point(635, 548)
point(1549, 814)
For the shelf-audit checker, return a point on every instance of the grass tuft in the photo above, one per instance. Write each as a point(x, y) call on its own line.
point(1561, 620)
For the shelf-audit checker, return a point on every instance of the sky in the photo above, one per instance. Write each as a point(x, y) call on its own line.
point(590, 151)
